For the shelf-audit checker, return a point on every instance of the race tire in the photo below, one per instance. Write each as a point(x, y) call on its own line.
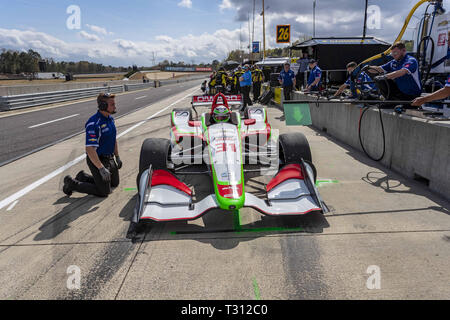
point(155, 152)
point(293, 147)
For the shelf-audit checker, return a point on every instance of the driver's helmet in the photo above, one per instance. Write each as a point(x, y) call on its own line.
point(221, 114)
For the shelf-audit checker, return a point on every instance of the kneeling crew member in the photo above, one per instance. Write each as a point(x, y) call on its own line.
point(101, 148)
point(402, 81)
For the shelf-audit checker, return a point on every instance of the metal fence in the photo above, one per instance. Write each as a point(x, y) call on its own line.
point(44, 98)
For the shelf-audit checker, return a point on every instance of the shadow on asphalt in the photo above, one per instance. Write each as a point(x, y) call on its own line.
point(75, 208)
point(226, 235)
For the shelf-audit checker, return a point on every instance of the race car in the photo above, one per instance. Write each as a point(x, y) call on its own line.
point(226, 143)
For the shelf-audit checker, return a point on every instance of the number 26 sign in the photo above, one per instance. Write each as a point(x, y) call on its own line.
point(284, 33)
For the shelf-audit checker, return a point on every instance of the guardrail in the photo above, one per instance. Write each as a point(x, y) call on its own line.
point(44, 98)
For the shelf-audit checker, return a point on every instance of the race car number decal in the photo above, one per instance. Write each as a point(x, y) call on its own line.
point(224, 147)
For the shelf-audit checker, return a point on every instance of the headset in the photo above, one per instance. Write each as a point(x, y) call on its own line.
point(103, 105)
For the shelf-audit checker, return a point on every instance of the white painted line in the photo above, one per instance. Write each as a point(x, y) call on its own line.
point(60, 170)
point(42, 124)
point(141, 97)
point(12, 206)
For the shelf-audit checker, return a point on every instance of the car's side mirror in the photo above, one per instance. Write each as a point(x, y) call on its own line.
point(249, 122)
point(195, 123)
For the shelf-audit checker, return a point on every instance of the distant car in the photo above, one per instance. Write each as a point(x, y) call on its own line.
point(224, 149)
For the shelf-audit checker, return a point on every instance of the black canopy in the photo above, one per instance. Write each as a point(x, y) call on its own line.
point(334, 53)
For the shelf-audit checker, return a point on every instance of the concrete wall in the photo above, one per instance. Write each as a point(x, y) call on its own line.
point(414, 146)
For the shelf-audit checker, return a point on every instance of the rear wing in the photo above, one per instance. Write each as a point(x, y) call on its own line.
point(232, 99)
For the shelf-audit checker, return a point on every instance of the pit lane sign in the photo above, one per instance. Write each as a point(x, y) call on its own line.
point(284, 33)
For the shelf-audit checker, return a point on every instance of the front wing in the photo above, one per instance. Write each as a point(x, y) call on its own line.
point(168, 199)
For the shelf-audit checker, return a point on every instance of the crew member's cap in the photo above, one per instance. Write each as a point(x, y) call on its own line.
point(246, 66)
point(312, 61)
point(287, 63)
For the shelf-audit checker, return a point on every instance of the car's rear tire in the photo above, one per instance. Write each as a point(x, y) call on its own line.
point(155, 152)
point(293, 147)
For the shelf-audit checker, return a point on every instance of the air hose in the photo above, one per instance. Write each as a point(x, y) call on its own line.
point(382, 130)
point(423, 58)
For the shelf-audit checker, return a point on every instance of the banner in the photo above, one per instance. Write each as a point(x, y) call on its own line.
point(297, 114)
point(180, 69)
point(255, 46)
point(206, 69)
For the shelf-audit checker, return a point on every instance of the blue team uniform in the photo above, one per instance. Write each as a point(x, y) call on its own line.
point(316, 72)
point(363, 77)
point(247, 79)
point(410, 83)
point(101, 133)
point(287, 78)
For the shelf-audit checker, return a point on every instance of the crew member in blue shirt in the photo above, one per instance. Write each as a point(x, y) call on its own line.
point(101, 149)
point(315, 76)
point(245, 81)
point(287, 80)
point(366, 83)
point(400, 79)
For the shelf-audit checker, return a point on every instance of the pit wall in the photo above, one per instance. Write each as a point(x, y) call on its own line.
point(416, 148)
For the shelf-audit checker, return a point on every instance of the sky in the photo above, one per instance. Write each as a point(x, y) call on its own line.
point(123, 33)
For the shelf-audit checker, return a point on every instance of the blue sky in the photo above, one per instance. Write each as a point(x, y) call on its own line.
point(132, 20)
point(127, 32)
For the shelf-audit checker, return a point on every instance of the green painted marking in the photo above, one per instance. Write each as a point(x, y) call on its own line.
point(256, 289)
point(173, 232)
point(319, 183)
point(129, 189)
point(237, 220)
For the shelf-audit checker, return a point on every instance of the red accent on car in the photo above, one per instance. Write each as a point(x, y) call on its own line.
point(227, 190)
point(267, 131)
point(179, 135)
point(291, 171)
point(163, 177)
point(249, 122)
point(195, 123)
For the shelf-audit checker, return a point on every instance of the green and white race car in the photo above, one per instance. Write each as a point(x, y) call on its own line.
point(224, 143)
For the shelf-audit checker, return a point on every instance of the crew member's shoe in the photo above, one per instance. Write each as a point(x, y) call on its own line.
point(69, 185)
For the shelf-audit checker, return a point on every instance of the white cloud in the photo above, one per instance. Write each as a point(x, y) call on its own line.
point(201, 47)
point(226, 4)
point(89, 36)
point(99, 30)
point(185, 3)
